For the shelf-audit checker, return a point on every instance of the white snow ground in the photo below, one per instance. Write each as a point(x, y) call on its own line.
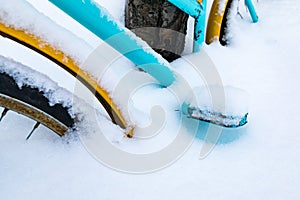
point(259, 161)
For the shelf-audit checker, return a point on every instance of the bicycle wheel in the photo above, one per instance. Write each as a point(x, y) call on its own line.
point(62, 59)
point(217, 24)
point(31, 101)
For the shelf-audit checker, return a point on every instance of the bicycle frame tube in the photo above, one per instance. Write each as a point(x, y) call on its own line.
point(199, 30)
point(98, 21)
point(191, 8)
point(196, 10)
point(252, 11)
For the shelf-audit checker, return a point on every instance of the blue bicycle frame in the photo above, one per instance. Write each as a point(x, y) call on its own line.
point(98, 21)
point(197, 10)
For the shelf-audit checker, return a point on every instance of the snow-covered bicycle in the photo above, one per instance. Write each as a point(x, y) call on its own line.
point(29, 97)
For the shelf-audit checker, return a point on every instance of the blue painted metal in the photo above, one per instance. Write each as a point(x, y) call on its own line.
point(101, 23)
point(190, 7)
point(252, 11)
point(197, 11)
point(199, 29)
point(185, 108)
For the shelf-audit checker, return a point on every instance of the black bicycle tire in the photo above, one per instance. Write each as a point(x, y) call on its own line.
point(224, 26)
point(29, 101)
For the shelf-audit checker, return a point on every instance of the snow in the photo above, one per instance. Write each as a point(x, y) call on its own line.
point(221, 6)
point(25, 76)
point(258, 161)
point(26, 18)
point(230, 100)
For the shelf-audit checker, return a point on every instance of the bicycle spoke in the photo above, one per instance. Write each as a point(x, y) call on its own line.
point(4, 112)
point(34, 128)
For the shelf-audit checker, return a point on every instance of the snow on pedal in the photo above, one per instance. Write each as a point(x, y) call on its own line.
point(225, 106)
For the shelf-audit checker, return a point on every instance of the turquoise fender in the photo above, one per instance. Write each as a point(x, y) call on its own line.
point(102, 24)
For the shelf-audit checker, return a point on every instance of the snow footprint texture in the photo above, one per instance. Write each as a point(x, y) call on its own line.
point(226, 106)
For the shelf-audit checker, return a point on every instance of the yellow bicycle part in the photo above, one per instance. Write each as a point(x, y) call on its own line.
point(215, 19)
point(66, 62)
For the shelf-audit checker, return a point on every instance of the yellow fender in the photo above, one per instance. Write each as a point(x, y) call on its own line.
point(215, 21)
point(66, 62)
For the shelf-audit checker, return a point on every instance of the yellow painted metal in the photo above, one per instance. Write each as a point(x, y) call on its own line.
point(215, 21)
point(62, 59)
